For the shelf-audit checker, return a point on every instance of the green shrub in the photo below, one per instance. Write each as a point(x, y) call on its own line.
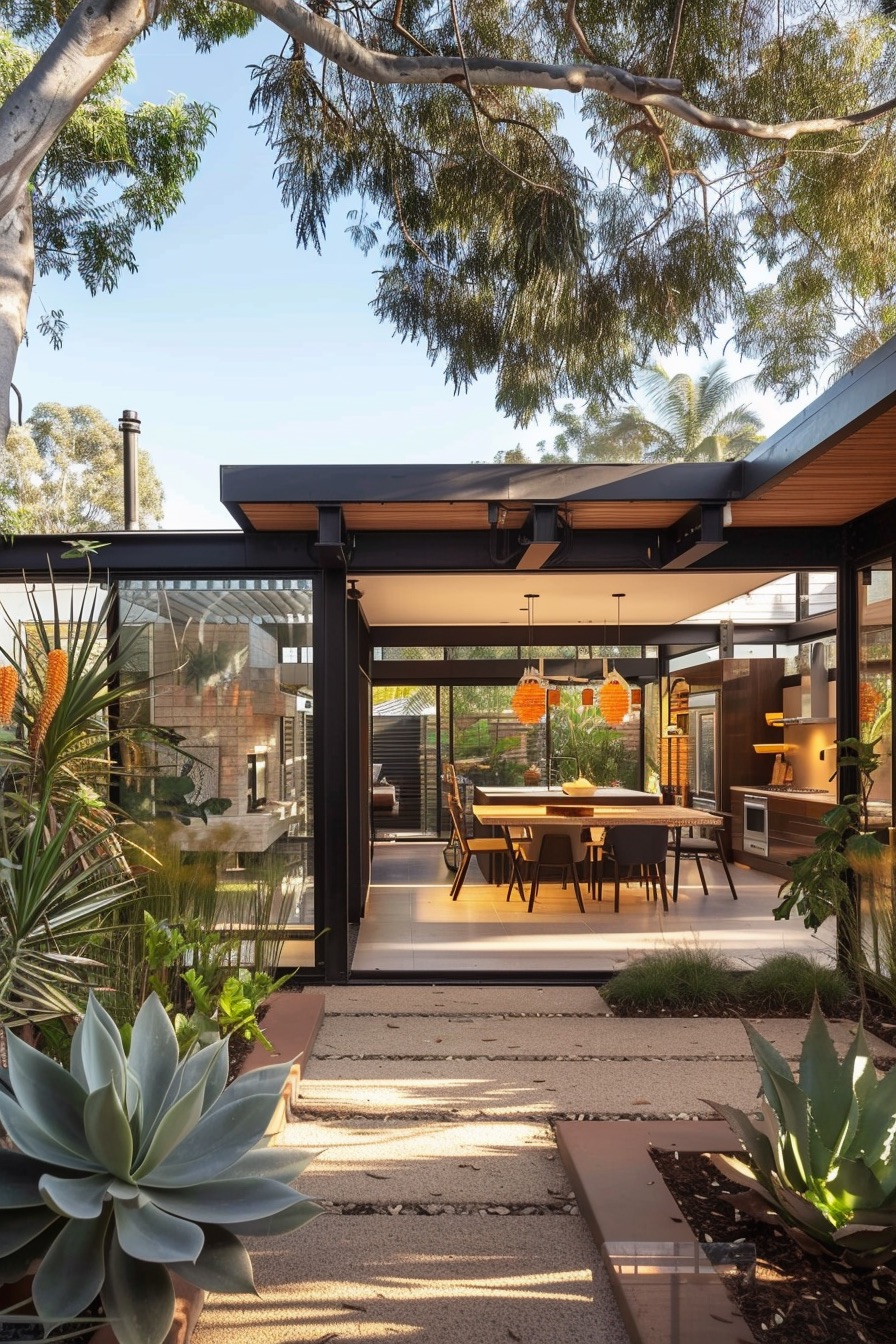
point(682, 979)
point(790, 984)
point(822, 1162)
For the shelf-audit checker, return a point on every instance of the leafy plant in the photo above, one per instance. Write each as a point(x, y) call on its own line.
point(823, 1162)
point(819, 885)
point(136, 1165)
point(591, 748)
point(195, 962)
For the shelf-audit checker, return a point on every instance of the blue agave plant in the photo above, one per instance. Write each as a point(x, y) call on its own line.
point(133, 1165)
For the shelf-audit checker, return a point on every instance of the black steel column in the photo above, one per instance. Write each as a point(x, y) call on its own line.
point(848, 726)
point(331, 832)
point(358, 770)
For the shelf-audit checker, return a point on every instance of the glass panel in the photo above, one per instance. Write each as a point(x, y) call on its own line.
point(876, 682)
point(232, 681)
point(410, 653)
point(483, 651)
point(582, 744)
point(404, 744)
point(491, 746)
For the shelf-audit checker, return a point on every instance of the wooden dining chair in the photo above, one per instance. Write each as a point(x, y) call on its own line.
point(476, 845)
point(638, 851)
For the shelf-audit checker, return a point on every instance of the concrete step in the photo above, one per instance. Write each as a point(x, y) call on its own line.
point(479, 1000)
point(551, 1037)
point(435, 1163)
point(512, 1090)
point(486, 1279)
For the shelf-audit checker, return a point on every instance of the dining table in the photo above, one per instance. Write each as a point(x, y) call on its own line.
point(580, 812)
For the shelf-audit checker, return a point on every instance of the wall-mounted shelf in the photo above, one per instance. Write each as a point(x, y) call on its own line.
point(773, 748)
point(812, 718)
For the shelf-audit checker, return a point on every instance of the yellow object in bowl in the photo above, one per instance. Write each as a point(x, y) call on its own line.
point(580, 787)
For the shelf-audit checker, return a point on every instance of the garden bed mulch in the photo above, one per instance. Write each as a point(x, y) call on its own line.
point(796, 1298)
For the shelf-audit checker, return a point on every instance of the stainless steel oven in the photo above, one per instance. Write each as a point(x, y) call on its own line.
point(756, 824)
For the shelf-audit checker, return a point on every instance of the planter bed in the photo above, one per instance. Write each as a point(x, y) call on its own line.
point(666, 1288)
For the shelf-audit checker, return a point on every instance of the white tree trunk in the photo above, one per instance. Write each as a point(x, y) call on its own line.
point(16, 281)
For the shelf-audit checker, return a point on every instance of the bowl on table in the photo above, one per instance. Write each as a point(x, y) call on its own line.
point(579, 788)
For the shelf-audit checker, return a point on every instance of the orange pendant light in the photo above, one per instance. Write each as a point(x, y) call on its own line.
point(615, 698)
point(530, 702)
point(588, 696)
point(554, 696)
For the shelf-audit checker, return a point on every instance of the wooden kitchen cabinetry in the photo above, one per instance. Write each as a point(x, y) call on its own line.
point(793, 823)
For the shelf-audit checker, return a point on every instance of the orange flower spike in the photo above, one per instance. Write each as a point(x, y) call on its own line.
point(55, 683)
point(9, 685)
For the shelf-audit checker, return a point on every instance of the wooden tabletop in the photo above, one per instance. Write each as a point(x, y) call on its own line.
point(586, 814)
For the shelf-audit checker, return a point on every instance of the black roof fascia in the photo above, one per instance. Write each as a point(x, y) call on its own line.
point(164, 553)
point(859, 396)
point(703, 633)
point(491, 671)
point(479, 482)
point(873, 536)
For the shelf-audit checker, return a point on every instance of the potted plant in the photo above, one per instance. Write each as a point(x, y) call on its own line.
point(133, 1165)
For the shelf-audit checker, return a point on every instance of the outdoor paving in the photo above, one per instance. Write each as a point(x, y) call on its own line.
point(447, 1211)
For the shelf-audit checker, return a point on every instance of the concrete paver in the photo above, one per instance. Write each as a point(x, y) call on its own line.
point(424, 1000)
point(507, 1089)
point(435, 1162)
point(397, 1036)
point(487, 1280)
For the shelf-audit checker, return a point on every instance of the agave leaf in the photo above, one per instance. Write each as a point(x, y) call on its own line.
point(270, 1080)
point(217, 1077)
point(75, 1197)
point(108, 1131)
point(44, 1088)
point(222, 1135)
point(772, 1066)
point(754, 1141)
point(225, 1201)
point(278, 1164)
point(287, 1220)
point(199, 1065)
point(19, 1177)
point(17, 1229)
point(101, 1053)
point(72, 1270)
point(854, 1186)
point(148, 1233)
point(860, 1066)
point(31, 1139)
point(222, 1266)
point(801, 1212)
point(153, 1057)
point(875, 1137)
point(175, 1122)
point(18, 1263)
point(138, 1297)
point(826, 1082)
point(796, 1142)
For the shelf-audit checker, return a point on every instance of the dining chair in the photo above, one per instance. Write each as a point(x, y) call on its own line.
point(638, 851)
point(707, 845)
point(476, 845)
point(595, 839)
point(555, 853)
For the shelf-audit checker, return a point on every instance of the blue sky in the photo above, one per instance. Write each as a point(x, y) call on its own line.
point(235, 346)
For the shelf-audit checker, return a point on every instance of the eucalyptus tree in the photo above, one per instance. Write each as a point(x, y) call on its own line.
point(721, 134)
point(63, 469)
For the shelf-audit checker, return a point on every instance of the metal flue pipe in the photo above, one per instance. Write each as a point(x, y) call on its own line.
point(129, 424)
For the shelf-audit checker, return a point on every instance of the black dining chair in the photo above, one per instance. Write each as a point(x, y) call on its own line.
point(705, 845)
point(555, 854)
point(640, 852)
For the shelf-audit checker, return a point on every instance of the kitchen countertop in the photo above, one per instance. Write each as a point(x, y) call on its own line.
point(811, 795)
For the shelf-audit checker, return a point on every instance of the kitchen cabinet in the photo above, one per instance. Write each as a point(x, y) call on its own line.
point(794, 820)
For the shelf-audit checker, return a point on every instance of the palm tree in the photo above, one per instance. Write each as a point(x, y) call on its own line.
point(695, 421)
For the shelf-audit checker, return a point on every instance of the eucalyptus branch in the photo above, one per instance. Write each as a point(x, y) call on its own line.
point(674, 36)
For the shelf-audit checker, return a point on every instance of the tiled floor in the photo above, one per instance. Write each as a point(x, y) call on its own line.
point(411, 924)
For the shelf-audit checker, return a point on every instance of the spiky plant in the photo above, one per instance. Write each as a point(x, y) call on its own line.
point(823, 1162)
point(134, 1165)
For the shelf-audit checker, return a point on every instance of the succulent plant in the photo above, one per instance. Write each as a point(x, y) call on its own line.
point(822, 1164)
point(134, 1165)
